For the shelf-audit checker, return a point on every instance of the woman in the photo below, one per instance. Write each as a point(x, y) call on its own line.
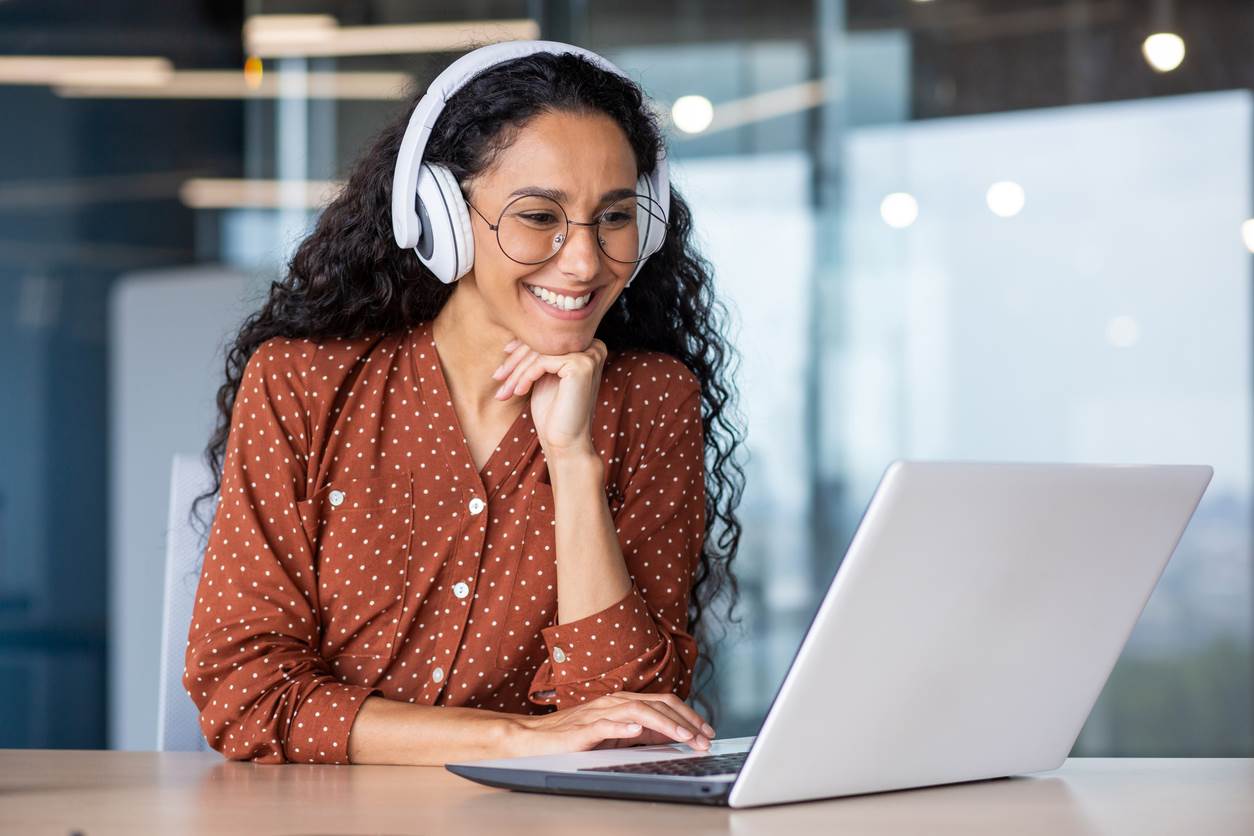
point(470, 520)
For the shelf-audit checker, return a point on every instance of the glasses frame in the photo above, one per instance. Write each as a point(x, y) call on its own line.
point(496, 227)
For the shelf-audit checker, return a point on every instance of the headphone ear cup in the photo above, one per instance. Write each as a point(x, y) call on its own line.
point(447, 244)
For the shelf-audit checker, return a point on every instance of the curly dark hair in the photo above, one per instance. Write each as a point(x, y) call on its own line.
point(348, 279)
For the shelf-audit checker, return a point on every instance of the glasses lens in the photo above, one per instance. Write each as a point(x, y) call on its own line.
point(532, 229)
point(625, 222)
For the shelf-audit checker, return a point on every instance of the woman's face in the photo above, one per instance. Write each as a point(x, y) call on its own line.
point(577, 159)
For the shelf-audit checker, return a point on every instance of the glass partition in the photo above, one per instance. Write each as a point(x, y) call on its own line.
point(982, 230)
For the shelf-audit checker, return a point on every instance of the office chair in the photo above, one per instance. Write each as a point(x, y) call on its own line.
point(178, 720)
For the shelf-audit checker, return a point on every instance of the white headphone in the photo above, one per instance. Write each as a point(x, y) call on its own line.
point(429, 212)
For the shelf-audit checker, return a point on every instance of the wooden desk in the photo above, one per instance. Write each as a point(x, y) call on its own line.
point(97, 792)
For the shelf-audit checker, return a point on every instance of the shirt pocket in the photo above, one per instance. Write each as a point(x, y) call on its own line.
point(532, 582)
point(362, 531)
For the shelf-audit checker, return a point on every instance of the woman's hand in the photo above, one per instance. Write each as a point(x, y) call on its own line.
point(563, 392)
point(623, 718)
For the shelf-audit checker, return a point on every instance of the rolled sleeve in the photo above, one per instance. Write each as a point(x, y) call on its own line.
point(322, 721)
point(604, 651)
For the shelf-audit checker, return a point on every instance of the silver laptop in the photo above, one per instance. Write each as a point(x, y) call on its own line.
point(966, 636)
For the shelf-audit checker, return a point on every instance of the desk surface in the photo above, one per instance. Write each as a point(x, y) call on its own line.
point(97, 792)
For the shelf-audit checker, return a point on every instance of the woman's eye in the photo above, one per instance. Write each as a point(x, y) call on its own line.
point(538, 218)
point(616, 217)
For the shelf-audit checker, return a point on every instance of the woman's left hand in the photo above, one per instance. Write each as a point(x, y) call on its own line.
point(563, 392)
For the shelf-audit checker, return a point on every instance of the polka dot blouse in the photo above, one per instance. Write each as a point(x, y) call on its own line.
point(356, 550)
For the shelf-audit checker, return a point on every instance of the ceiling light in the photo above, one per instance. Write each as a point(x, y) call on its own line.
point(286, 36)
point(228, 193)
point(1005, 199)
point(255, 84)
point(1164, 51)
point(67, 69)
point(899, 210)
point(692, 114)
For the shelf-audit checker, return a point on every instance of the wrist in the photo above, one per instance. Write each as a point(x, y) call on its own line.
point(510, 733)
point(573, 460)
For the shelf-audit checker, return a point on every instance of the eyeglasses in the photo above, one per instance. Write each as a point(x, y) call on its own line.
point(532, 228)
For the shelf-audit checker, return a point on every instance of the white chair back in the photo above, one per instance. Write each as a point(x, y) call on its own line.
point(178, 720)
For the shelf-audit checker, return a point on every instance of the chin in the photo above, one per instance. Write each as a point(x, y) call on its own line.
point(551, 343)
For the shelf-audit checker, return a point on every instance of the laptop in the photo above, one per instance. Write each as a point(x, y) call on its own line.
point(967, 634)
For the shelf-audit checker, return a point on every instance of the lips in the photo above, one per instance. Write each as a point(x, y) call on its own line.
point(560, 301)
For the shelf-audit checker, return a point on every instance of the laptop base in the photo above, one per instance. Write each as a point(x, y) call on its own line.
point(644, 788)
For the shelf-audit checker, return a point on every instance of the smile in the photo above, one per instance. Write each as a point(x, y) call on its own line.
point(559, 301)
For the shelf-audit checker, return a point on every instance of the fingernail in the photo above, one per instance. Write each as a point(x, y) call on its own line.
point(684, 734)
point(708, 729)
point(511, 345)
point(633, 727)
point(497, 373)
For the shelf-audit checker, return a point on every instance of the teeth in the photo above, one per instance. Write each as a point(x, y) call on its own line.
point(565, 303)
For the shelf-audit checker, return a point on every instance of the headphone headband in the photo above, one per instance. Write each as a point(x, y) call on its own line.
point(407, 227)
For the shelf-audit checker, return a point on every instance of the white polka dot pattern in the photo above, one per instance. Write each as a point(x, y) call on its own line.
point(357, 550)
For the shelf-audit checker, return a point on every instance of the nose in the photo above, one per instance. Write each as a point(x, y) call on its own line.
point(580, 255)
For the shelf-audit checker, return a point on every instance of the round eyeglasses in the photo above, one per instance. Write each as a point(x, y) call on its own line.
point(532, 228)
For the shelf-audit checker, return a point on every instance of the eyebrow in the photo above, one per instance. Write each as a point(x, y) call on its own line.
point(561, 196)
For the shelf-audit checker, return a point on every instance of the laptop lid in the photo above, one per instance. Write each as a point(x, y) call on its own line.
point(971, 626)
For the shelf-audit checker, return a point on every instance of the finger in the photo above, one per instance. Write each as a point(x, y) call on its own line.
point(648, 716)
point(687, 711)
point(598, 365)
point(507, 388)
point(680, 719)
point(529, 372)
point(502, 371)
point(533, 373)
point(679, 706)
point(647, 737)
point(606, 729)
point(596, 378)
point(535, 369)
point(577, 366)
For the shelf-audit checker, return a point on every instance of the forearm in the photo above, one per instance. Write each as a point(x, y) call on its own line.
point(391, 732)
point(591, 572)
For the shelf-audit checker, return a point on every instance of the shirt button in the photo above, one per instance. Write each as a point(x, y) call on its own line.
point(438, 674)
point(337, 498)
point(559, 655)
point(461, 590)
point(476, 505)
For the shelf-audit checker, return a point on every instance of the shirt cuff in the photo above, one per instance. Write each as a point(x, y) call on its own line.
point(601, 642)
point(320, 727)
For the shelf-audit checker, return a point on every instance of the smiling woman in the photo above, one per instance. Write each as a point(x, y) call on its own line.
point(476, 511)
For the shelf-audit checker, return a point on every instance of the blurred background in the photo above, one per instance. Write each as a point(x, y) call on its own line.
point(961, 229)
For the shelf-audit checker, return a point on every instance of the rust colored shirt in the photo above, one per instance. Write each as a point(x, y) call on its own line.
point(356, 550)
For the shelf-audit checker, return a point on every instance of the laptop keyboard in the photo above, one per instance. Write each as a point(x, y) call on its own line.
point(702, 766)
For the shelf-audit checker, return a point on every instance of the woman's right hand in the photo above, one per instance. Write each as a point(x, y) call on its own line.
point(623, 718)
